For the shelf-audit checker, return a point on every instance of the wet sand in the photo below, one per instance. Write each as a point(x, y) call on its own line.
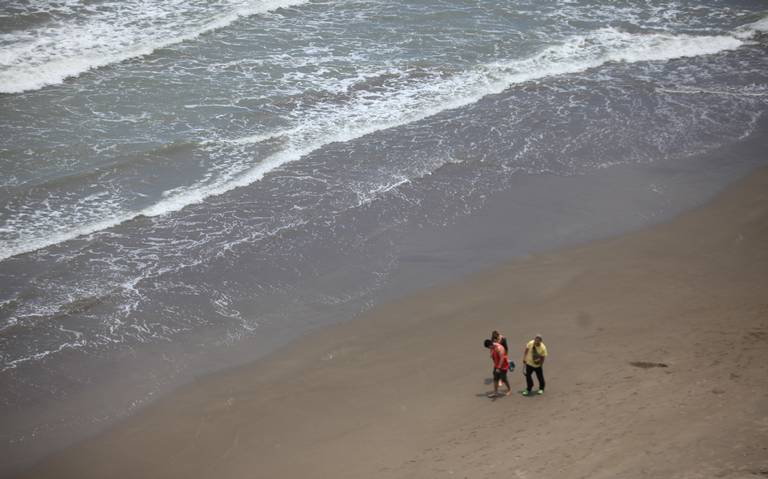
point(658, 343)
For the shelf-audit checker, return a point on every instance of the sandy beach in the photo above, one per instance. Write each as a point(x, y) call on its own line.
point(658, 342)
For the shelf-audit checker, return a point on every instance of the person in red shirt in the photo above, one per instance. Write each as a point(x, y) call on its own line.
point(500, 366)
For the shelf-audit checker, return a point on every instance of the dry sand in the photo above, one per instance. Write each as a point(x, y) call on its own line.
point(401, 392)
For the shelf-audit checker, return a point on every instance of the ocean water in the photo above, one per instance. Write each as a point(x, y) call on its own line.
point(183, 178)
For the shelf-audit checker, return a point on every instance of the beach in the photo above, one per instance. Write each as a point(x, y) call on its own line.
point(267, 238)
point(657, 340)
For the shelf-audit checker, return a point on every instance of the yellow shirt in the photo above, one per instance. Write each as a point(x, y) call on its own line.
point(541, 349)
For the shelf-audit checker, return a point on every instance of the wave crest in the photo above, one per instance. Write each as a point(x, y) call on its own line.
point(413, 100)
point(50, 54)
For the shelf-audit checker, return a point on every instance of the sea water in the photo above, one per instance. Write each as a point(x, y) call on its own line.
point(182, 178)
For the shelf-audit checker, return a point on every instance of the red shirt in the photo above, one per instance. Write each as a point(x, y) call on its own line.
point(499, 356)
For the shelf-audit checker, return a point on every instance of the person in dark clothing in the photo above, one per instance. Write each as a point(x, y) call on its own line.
point(496, 336)
point(533, 358)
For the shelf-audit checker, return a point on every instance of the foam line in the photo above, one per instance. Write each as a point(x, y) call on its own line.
point(68, 52)
point(355, 120)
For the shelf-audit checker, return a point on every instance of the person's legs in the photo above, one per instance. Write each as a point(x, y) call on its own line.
point(503, 377)
point(496, 380)
point(528, 378)
point(540, 377)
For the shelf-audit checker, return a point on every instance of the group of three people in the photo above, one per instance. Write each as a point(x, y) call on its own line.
point(533, 359)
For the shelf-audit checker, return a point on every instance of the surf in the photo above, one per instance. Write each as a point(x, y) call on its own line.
point(417, 98)
point(51, 53)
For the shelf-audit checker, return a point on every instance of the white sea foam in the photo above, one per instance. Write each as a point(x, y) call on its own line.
point(408, 105)
point(699, 91)
point(119, 31)
point(370, 113)
point(75, 345)
point(745, 32)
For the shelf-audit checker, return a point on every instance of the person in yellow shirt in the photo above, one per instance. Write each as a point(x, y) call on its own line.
point(533, 358)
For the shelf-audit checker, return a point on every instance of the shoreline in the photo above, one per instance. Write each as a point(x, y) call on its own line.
point(523, 221)
point(400, 392)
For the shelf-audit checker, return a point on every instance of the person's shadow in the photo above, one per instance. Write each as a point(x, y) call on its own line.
point(487, 382)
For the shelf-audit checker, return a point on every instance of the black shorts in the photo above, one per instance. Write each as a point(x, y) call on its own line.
point(499, 375)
